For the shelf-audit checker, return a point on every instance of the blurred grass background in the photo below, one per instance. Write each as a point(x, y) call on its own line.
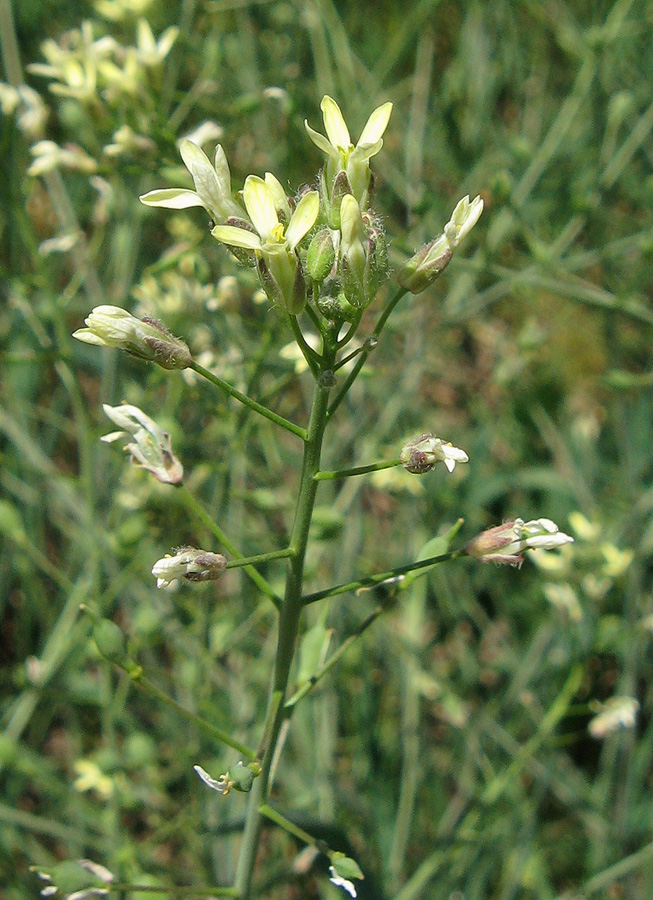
point(451, 747)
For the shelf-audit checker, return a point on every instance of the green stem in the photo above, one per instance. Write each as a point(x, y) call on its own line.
point(203, 515)
point(288, 626)
point(358, 470)
point(312, 358)
point(367, 349)
point(174, 890)
point(260, 558)
point(247, 401)
point(287, 825)
point(373, 580)
point(335, 656)
point(144, 684)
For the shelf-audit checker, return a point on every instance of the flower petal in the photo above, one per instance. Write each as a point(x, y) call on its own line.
point(205, 178)
point(319, 140)
point(259, 202)
point(171, 198)
point(236, 237)
point(303, 218)
point(334, 124)
point(376, 125)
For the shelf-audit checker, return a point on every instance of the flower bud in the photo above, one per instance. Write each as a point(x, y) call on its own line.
point(425, 266)
point(189, 563)
point(428, 263)
point(320, 256)
point(421, 453)
point(110, 641)
point(505, 544)
point(111, 326)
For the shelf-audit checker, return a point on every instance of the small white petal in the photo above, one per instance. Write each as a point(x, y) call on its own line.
point(216, 784)
point(236, 237)
point(319, 140)
point(341, 882)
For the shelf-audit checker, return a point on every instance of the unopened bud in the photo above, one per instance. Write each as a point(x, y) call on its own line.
point(189, 563)
point(424, 267)
point(110, 641)
point(111, 326)
point(320, 256)
point(428, 263)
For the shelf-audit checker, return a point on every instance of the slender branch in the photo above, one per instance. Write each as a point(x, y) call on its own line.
point(144, 684)
point(173, 890)
point(373, 580)
point(367, 349)
point(287, 825)
point(351, 331)
point(349, 357)
point(312, 358)
point(203, 515)
point(335, 657)
point(261, 557)
point(247, 401)
point(357, 470)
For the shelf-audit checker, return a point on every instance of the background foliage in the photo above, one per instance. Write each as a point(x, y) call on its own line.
point(451, 748)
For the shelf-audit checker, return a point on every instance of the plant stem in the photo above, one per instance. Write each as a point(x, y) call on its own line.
point(287, 825)
point(173, 890)
point(144, 684)
point(335, 656)
point(288, 626)
point(261, 557)
point(358, 470)
point(247, 401)
point(373, 580)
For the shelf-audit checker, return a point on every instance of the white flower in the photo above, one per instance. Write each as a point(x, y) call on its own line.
point(341, 153)
point(150, 448)
point(212, 185)
point(111, 326)
point(463, 219)
point(188, 563)
point(150, 51)
point(615, 713)
point(505, 544)
point(341, 882)
point(423, 452)
point(274, 245)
